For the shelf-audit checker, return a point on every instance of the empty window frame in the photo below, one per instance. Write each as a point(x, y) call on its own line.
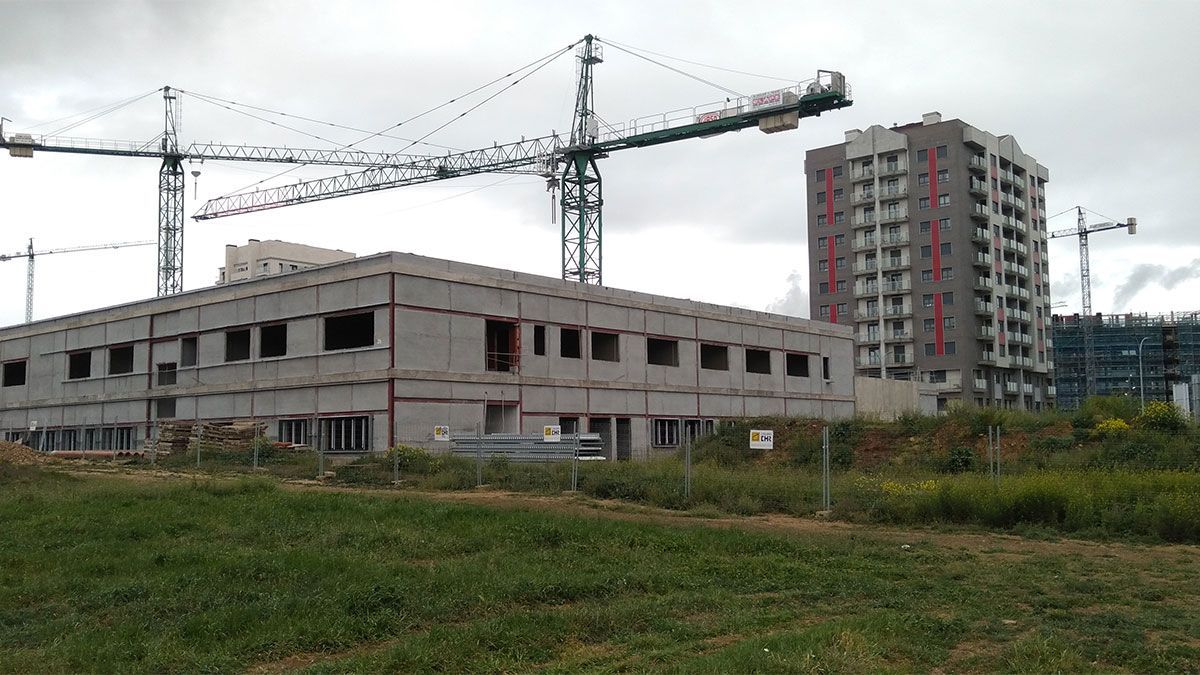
point(272, 340)
point(665, 433)
point(758, 361)
point(346, 434)
point(662, 352)
point(500, 338)
point(569, 425)
point(164, 408)
point(606, 346)
point(349, 331)
point(797, 365)
point(539, 340)
point(568, 343)
point(826, 374)
point(14, 374)
point(187, 352)
point(120, 360)
point(714, 357)
point(294, 432)
point(166, 374)
point(79, 365)
point(237, 345)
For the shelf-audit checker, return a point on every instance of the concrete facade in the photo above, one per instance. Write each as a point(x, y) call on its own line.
point(266, 258)
point(363, 354)
point(930, 239)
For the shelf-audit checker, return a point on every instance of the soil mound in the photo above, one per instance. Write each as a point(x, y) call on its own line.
point(15, 453)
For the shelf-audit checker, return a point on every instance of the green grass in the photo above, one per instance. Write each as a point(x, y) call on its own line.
point(115, 574)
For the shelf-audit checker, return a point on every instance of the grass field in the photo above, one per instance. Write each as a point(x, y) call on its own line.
point(136, 573)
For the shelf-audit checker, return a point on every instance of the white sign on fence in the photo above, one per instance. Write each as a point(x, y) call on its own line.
point(552, 433)
point(762, 439)
point(441, 433)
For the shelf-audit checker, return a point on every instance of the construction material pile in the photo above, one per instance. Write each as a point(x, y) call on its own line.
point(15, 453)
point(210, 436)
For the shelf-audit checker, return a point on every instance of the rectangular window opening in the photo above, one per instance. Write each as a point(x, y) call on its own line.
point(539, 340)
point(661, 352)
point(237, 345)
point(166, 374)
point(79, 365)
point(349, 331)
point(568, 343)
point(500, 338)
point(665, 433)
point(120, 360)
point(797, 365)
point(294, 432)
point(826, 374)
point(346, 434)
point(272, 340)
point(187, 352)
point(605, 347)
point(758, 361)
point(14, 374)
point(164, 408)
point(714, 357)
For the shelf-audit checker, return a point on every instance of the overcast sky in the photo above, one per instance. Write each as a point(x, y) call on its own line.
point(1105, 94)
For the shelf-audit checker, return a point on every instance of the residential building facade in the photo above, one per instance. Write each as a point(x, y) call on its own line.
point(360, 355)
point(266, 258)
point(930, 239)
point(1132, 353)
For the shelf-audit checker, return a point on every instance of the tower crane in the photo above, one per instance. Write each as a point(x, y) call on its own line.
point(1082, 230)
point(29, 254)
point(167, 148)
point(571, 158)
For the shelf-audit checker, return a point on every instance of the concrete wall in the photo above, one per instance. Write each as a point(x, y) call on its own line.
point(888, 399)
point(427, 364)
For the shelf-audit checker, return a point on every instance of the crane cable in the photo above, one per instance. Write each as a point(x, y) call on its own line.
point(91, 110)
point(539, 63)
point(105, 111)
point(618, 45)
point(710, 83)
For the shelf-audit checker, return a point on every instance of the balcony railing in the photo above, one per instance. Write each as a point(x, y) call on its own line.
point(893, 216)
point(894, 239)
point(864, 196)
point(865, 267)
point(1051, 391)
point(893, 191)
point(981, 235)
point(1011, 387)
point(978, 163)
point(1027, 388)
point(863, 244)
point(984, 283)
point(895, 286)
point(863, 290)
point(862, 173)
point(979, 212)
point(982, 307)
point(892, 169)
point(987, 358)
point(978, 187)
point(895, 263)
point(983, 259)
point(897, 310)
point(865, 219)
point(980, 384)
point(986, 332)
point(876, 360)
point(866, 314)
point(1018, 181)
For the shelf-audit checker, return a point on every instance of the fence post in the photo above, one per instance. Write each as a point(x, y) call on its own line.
point(321, 462)
point(990, 450)
point(826, 498)
point(575, 465)
point(687, 466)
point(154, 444)
point(395, 466)
point(199, 444)
point(478, 455)
point(997, 479)
point(256, 451)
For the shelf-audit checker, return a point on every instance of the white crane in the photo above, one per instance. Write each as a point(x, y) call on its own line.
point(29, 254)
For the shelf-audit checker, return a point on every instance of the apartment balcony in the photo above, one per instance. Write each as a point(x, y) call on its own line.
point(1020, 338)
point(982, 235)
point(893, 191)
point(1014, 245)
point(1049, 343)
point(890, 360)
point(1046, 300)
point(980, 384)
point(1041, 193)
point(982, 259)
point(986, 333)
point(893, 216)
point(1006, 175)
point(892, 169)
point(1018, 181)
point(1011, 387)
point(868, 338)
point(1025, 361)
point(1027, 388)
point(866, 290)
point(863, 197)
point(895, 286)
point(1051, 391)
point(865, 244)
point(867, 267)
point(863, 220)
point(978, 188)
point(866, 314)
point(977, 163)
point(897, 311)
point(979, 212)
point(984, 283)
point(894, 239)
point(1020, 226)
point(987, 358)
point(864, 173)
point(1008, 221)
point(892, 263)
point(898, 336)
point(1050, 364)
point(1018, 315)
point(983, 307)
point(1016, 268)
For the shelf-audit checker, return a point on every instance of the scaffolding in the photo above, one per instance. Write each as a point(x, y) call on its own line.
point(1170, 353)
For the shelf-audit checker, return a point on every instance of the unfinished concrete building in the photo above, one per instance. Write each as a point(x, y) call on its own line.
point(270, 257)
point(359, 355)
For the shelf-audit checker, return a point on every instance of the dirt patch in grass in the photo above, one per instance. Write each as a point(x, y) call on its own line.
point(15, 453)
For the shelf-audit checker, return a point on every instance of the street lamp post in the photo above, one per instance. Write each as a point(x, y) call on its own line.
point(1141, 374)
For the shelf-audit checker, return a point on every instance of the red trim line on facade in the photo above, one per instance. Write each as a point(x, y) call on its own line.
point(833, 314)
point(935, 226)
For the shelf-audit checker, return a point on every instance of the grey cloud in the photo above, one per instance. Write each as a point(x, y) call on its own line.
point(1146, 274)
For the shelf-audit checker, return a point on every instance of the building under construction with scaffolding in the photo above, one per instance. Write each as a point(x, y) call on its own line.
point(1169, 346)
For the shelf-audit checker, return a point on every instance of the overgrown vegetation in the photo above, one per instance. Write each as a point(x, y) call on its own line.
point(106, 574)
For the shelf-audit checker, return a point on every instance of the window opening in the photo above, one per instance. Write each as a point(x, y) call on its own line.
point(166, 374)
point(120, 360)
point(714, 357)
point(79, 365)
point(539, 340)
point(237, 345)
point(758, 361)
point(797, 365)
point(605, 347)
point(500, 338)
point(349, 331)
point(14, 374)
point(272, 340)
point(568, 343)
point(660, 352)
point(187, 352)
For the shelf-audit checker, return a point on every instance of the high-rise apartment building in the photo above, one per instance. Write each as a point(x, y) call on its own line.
point(930, 239)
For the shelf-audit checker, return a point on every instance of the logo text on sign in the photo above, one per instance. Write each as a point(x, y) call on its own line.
point(441, 433)
point(552, 433)
point(762, 439)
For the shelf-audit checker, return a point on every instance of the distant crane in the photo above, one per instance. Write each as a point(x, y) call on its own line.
point(1082, 230)
point(29, 254)
point(572, 159)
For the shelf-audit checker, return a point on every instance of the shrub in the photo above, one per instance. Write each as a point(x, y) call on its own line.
point(1099, 408)
point(960, 459)
point(415, 460)
point(1111, 428)
point(1161, 416)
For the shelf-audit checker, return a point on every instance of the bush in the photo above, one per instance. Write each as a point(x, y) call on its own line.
point(1099, 408)
point(1111, 428)
point(960, 459)
point(415, 460)
point(1161, 416)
